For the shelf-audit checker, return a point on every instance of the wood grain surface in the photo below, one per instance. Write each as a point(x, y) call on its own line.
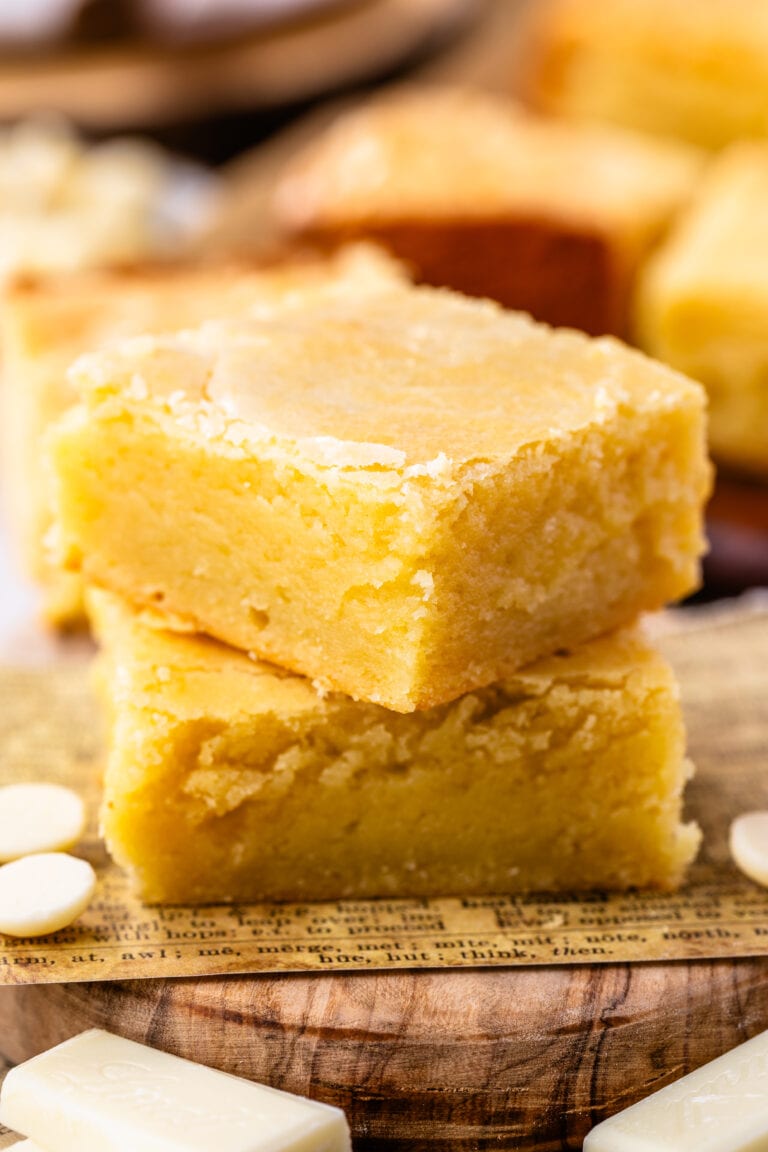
point(516, 1058)
point(462, 1060)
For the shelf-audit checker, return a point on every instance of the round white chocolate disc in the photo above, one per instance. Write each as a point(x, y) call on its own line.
point(38, 818)
point(43, 893)
point(749, 845)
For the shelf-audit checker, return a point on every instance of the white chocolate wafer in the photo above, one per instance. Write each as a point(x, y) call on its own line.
point(749, 845)
point(38, 818)
point(43, 893)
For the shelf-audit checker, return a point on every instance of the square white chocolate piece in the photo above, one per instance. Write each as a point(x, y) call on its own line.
point(721, 1107)
point(402, 494)
point(99, 1091)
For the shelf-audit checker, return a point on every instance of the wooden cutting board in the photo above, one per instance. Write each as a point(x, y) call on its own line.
point(470, 1059)
point(513, 1059)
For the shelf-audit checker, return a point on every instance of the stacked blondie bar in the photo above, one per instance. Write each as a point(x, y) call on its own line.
point(46, 322)
point(368, 561)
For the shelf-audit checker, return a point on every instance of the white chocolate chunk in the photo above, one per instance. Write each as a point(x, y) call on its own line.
point(749, 845)
point(98, 1091)
point(38, 818)
point(721, 1107)
point(43, 893)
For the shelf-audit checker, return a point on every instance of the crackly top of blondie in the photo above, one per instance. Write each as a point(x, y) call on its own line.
point(383, 378)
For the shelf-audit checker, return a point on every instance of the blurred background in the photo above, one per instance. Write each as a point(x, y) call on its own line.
point(239, 116)
point(215, 77)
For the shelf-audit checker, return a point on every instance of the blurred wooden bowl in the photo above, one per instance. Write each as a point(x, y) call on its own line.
point(104, 87)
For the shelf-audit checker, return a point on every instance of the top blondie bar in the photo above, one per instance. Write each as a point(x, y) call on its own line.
point(47, 322)
point(399, 492)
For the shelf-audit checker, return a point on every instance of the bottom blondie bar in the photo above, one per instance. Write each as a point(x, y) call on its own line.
point(232, 780)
